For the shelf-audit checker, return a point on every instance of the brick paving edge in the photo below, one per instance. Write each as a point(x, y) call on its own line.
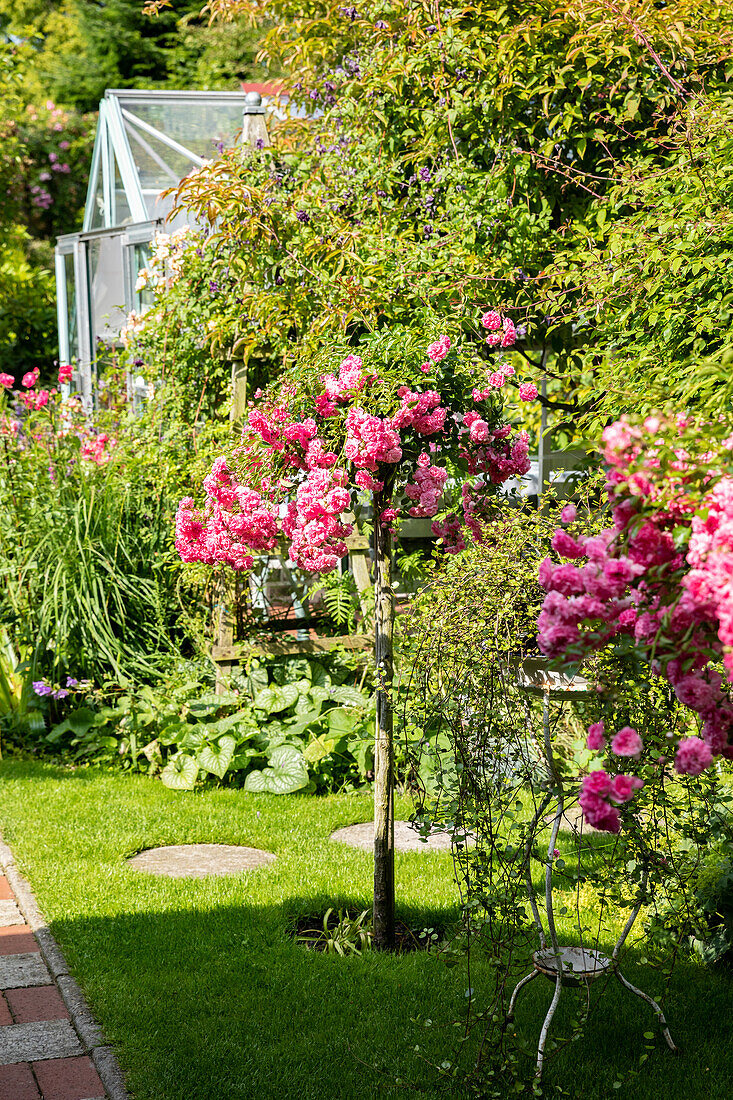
point(89, 1032)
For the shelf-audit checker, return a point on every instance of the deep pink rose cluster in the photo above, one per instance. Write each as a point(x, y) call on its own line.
point(673, 597)
point(302, 472)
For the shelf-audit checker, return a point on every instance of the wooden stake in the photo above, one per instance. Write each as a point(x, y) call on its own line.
point(384, 892)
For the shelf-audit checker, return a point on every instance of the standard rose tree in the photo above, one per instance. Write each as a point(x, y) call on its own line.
point(383, 434)
point(658, 582)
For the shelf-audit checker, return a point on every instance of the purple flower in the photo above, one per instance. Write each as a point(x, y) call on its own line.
point(40, 688)
point(60, 694)
point(213, 286)
point(303, 217)
point(259, 144)
point(431, 29)
point(381, 25)
point(425, 174)
point(71, 682)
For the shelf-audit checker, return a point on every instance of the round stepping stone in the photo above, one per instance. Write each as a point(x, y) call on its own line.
point(572, 822)
point(200, 860)
point(406, 838)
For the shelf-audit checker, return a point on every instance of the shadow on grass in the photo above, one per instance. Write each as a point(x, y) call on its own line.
point(224, 1005)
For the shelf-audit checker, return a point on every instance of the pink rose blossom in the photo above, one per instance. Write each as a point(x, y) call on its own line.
point(596, 740)
point(527, 391)
point(693, 756)
point(627, 742)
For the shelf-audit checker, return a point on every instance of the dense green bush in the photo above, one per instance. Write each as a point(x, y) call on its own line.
point(285, 724)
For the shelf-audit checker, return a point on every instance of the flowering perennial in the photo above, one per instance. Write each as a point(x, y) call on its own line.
point(662, 577)
point(306, 455)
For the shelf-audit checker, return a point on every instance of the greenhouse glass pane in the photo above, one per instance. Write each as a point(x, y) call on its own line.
point(123, 214)
point(141, 259)
point(202, 127)
point(97, 200)
point(106, 288)
point(71, 325)
point(158, 166)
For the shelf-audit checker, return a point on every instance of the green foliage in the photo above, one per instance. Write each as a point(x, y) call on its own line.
point(653, 290)
point(91, 583)
point(288, 724)
point(83, 48)
point(456, 155)
point(28, 335)
point(341, 934)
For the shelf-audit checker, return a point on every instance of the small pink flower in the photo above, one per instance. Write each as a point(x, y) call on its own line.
point(627, 742)
point(598, 782)
point(491, 320)
point(30, 379)
point(493, 339)
point(7, 380)
point(569, 514)
point(596, 740)
point(527, 391)
point(65, 373)
point(497, 379)
point(693, 756)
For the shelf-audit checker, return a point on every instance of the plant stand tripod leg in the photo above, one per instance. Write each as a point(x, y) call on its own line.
point(546, 1027)
point(657, 1010)
point(515, 994)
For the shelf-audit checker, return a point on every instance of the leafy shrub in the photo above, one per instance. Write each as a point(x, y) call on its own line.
point(288, 724)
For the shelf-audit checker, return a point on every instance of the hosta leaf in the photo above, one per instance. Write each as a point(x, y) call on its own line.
point(216, 758)
point(180, 773)
point(275, 699)
point(287, 772)
point(211, 703)
point(349, 695)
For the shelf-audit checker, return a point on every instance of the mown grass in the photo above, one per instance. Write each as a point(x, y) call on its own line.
point(205, 995)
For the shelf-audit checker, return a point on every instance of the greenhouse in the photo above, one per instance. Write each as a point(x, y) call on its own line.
point(146, 142)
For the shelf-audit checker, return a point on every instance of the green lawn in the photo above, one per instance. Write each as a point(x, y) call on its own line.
point(206, 997)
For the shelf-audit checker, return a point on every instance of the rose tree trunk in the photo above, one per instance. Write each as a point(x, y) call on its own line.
point(384, 894)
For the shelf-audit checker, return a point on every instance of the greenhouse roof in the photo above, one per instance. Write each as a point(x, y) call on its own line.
point(147, 141)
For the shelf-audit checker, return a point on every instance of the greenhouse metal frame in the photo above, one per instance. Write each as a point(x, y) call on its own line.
point(146, 142)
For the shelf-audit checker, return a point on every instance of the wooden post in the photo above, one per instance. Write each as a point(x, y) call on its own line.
point(384, 892)
point(358, 547)
point(223, 618)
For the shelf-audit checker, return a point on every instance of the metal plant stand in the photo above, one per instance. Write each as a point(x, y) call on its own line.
point(565, 966)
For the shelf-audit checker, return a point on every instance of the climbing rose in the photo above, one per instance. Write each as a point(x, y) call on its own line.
point(693, 756)
point(30, 379)
point(596, 740)
point(7, 380)
point(527, 391)
point(627, 742)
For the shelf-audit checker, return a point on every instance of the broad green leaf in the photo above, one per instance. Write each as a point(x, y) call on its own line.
point(349, 695)
point(211, 703)
point(342, 721)
point(216, 758)
point(275, 699)
point(180, 773)
point(287, 772)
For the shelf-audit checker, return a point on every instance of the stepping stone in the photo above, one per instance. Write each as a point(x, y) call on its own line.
point(406, 838)
point(38, 1040)
point(10, 914)
point(572, 822)
point(21, 971)
point(200, 860)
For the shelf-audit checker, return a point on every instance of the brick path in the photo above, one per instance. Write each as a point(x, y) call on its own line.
point(50, 1047)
